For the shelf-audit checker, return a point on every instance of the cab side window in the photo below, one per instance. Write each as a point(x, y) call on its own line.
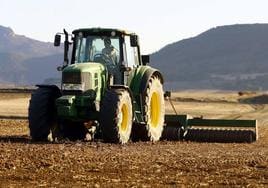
point(132, 54)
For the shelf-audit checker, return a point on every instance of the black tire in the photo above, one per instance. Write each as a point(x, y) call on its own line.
point(154, 109)
point(42, 112)
point(116, 116)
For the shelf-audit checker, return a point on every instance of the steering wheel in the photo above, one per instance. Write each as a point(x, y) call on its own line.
point(102, 58)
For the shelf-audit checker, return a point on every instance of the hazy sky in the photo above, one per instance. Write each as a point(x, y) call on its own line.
point(157, 22)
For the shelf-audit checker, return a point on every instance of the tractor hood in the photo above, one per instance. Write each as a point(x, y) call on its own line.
point(85, 67)
point(84, 77)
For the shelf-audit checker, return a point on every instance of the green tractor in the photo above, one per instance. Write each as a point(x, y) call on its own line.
point(109, 91)
point(107, 85)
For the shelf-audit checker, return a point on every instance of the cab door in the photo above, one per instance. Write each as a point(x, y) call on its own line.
point(131, 60)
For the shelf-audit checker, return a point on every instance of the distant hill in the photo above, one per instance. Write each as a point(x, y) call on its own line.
point(227, 57)
point(231, 57)
point(26, 61)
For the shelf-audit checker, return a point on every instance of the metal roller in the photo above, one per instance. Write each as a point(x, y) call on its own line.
point(172, 133)
point(220, 135)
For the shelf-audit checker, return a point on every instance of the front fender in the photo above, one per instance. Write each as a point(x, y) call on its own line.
point(52, 87)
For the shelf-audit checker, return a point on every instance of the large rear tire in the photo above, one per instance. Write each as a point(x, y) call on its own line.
point(154, 112)
point(116, 116)
point(42, 112)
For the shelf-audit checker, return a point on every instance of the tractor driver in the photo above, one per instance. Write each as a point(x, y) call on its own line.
point(109, 50)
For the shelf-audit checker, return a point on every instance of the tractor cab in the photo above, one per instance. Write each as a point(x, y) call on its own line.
point(117, 50)
point(102, 49)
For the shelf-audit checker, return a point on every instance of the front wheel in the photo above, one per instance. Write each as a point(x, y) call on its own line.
point(42, 112)
point(116, 116)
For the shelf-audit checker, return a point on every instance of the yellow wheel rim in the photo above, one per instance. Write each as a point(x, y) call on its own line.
point(155, 110)
point(123, 123)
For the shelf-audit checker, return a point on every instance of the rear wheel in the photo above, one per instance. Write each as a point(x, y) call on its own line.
point(43, 113)
point(154, 109)
point(116, 116)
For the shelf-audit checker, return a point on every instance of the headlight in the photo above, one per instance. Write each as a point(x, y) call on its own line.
point(80, 87)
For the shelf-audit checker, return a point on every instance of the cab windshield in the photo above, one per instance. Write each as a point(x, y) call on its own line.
point(101, 49)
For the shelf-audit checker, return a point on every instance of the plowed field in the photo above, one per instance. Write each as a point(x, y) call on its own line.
point(140, 164)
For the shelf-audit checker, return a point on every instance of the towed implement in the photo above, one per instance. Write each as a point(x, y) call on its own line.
point(185, 127)
point(182, 127)
point(108, 91)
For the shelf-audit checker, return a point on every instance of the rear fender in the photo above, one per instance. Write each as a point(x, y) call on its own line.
point(146, 77)
point(140, 79)
point(138, 84)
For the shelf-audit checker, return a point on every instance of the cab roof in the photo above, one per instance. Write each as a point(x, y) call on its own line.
point(102, 31)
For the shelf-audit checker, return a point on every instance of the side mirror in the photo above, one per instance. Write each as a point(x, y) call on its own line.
point(59, 68)
point(145, 59)
point(134, 40)
point(57, 40)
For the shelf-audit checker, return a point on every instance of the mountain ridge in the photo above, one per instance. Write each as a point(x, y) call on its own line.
point(231, 57)
point(202, 61)
point(17, 53)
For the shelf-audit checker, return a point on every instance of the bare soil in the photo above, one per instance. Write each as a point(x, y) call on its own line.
point(140, 164)
point(14, 104)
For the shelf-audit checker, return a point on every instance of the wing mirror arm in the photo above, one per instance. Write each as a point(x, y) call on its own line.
point(57, 42)
point(145, 59)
